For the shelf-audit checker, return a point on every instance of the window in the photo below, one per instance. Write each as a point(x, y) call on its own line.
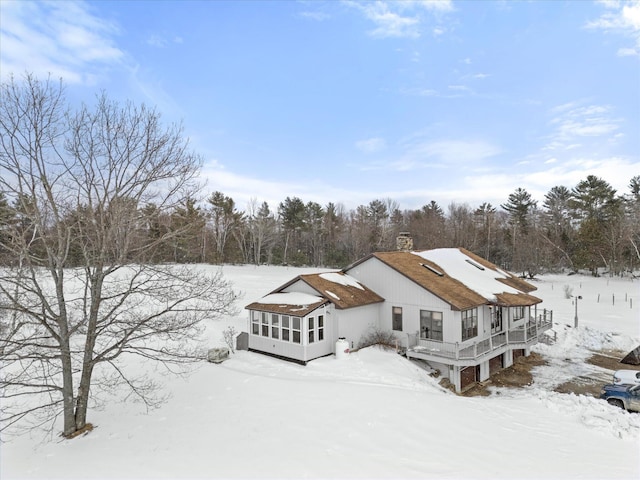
point(311, 330)
point(296, 329)
point(275, 326)
point(496, 320)
point(320, 328)
point(469, 323)
point(286, 328)
point(255, 322)
point(430, 325)
point(396, 318)
point(518, 313)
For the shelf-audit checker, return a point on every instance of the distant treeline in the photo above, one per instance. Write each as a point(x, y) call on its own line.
point(589, 226)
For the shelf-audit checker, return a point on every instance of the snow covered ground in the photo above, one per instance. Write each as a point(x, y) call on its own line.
point(371, 415)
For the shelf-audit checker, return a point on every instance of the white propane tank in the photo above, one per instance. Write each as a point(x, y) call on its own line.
point(342, 348)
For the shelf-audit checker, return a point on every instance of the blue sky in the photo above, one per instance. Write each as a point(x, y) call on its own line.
point(347, 102)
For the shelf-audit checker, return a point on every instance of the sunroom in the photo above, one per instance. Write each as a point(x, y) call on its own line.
point(303, 319)
point(291, 325)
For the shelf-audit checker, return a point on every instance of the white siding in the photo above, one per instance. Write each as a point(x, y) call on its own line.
point(302, 287)
point(303, 351)
point(399, 291)
point(354, 322)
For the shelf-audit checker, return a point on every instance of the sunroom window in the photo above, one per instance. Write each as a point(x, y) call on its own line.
point(295, 329)
point(275, 326)
point(286, 328)
point(518, 313)
point(255, 322)
point(311, 331)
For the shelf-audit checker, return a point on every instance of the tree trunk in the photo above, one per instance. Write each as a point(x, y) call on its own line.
point(96, 282)
point(67, 388)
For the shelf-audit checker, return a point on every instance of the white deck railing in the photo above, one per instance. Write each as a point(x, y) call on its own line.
point(524, 336)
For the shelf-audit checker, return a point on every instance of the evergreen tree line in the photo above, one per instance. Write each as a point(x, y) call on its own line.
point(589, 226)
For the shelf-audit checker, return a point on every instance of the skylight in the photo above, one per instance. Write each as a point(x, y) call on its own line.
point(471, 262)
point(429, 267)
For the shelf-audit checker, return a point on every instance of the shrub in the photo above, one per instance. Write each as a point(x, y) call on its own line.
point(229, 336)
point(377, 336)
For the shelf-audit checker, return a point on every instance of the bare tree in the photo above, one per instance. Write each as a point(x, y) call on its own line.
point(80, 181)
point(262, 230)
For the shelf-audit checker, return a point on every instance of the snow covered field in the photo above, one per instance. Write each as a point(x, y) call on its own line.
point(372, 415)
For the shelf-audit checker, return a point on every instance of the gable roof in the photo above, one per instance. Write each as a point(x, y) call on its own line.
point(296, 304)
point(459, 277)
point(337, 288)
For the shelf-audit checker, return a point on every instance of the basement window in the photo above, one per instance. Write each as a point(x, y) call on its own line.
point(477, 265)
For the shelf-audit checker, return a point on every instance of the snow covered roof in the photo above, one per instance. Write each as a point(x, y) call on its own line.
point(338, 288)
point(297, 304)
point(460, 277)
point(341, 289)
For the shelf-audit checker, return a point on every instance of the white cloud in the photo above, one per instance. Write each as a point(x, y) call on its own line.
point(622, 18)
point(459, 88)
point(573, 121)
point(420, 92)
point(63, 39)
point(161, 41)
point(617, 171)
point(245, 188)
point(390, 24)
point(450, 152)
point(401, 18)
point(317, 16)
point(371, 145)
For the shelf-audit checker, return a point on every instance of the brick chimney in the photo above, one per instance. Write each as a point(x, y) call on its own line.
point(404, 242)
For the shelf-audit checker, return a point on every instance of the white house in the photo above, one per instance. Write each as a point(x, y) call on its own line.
point(449, 307)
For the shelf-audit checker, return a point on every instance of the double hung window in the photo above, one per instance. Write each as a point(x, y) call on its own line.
point(312, 331)
point(255, 322)
point(275, 326)
point(286, 328)
point(320, 328)
point(295, 329)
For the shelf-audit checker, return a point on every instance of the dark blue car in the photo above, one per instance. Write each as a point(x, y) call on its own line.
point(623, 396)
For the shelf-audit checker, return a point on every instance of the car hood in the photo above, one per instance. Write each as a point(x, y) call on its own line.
point(616, 388)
